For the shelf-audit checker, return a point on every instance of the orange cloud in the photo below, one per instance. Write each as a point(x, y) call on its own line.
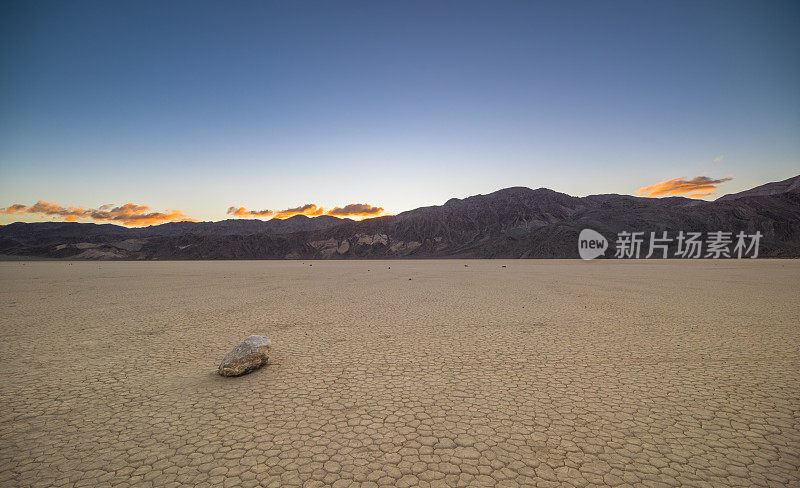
point(243, 212)
point(16, 208)
point(139, 215)
point(308, 209)
point(42, 207)
point(698, 187)
point(129, 214)
point(353, 210)
point(356, 210)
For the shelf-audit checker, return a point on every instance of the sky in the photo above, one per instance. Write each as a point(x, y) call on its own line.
point(143, 112)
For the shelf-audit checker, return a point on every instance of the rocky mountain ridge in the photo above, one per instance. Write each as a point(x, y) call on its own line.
point(514, 222)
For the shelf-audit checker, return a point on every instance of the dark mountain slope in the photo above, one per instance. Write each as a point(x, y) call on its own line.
point(790, 185)
point(510, 223)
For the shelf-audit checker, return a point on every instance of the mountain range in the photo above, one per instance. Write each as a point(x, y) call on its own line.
point(510, 223)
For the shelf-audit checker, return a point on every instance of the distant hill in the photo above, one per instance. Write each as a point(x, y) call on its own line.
point(791, 185)
point(511, 223)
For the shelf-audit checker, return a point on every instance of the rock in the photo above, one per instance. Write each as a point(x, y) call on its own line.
point(246, 357)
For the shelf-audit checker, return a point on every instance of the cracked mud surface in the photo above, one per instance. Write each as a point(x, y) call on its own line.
point(544, 373)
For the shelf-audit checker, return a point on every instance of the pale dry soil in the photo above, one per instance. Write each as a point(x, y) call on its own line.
point(542, 373)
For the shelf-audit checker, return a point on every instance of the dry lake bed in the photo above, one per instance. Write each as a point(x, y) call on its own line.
point(539, 373)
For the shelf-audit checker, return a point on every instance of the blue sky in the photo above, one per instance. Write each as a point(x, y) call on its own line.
point(199, 106)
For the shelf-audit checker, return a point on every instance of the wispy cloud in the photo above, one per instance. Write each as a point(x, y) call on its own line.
point(697, 187)
point(718, 158)
point(352, 210)
point(129, 214)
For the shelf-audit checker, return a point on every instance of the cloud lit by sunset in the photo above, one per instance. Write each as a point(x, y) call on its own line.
point(129, 214)
point(243, 212)
point(135, 215)
point(353, 211)
point(698, 187)
point(356, 210)
point(309, 210)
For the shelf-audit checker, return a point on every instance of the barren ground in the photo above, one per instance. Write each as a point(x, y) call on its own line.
point(543, 373)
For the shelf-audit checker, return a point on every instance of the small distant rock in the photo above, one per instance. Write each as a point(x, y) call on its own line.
point(248, 356)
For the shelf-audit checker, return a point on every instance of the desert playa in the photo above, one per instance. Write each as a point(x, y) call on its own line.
point(401, 373)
